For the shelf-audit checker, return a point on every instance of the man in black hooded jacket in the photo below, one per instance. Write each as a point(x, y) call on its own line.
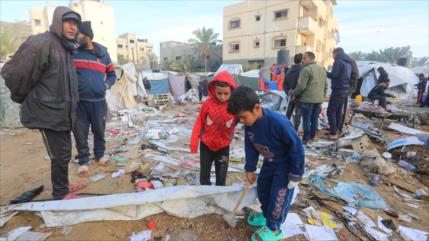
point(42, 78)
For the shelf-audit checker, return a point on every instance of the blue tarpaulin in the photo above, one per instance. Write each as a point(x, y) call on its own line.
point(159, 86)
point(355, 194)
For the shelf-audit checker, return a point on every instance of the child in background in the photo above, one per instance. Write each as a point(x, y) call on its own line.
point(215, 127)
point(271, 135)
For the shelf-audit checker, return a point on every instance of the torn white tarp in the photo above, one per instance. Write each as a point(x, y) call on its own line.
point(406, 141)
point(181, 201)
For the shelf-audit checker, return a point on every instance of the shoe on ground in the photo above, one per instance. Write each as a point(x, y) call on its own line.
point(103, 161)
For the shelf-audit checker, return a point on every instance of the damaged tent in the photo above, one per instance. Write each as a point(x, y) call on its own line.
point(159, 82)
point(402, 79)
point(250, 79)
point(234, 69)
point(121, 95)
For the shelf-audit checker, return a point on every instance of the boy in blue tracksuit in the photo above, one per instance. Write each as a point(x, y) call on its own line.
point(271, 135)
point(96, 74)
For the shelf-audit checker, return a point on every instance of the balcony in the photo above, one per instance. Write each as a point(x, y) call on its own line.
point(307, 25)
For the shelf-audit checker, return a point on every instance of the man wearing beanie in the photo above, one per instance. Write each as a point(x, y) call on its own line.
point(96, 74)
point(42, 78)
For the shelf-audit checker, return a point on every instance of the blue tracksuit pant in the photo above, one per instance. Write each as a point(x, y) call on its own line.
point(90, 114)
point(273, 194)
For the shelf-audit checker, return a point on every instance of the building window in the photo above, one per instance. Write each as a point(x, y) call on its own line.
point(37, 22)
point(178, 58)
point(120, 46)
point(234, 47)
point(132, 41)
point(257, 43)
point(280, 14)
point(234, 24)
point(280, 43)
point(258, 18)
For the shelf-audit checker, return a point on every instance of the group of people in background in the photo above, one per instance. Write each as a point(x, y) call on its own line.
point(306, 85)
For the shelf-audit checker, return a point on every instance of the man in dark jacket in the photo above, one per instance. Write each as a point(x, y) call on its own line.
point(378, 93)
point(96, 74)
point(383, 75)
point(421, 88)
point(289, 85)
point(353, 87)
point(147, 84)
point(41, 76)
point(340, 85)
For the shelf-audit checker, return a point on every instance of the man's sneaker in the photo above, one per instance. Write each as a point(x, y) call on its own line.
point(83, 171)
point(103, 161)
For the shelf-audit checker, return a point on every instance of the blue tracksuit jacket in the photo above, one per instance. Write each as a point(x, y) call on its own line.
point(94, 70)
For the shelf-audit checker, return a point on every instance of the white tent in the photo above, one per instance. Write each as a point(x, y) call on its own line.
point(121, 95)
point(235, 69)
point(402, 79)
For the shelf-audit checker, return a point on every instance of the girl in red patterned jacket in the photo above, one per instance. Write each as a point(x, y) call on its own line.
point(215, 128)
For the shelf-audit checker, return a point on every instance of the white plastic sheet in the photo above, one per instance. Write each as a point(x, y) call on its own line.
point(180, 201)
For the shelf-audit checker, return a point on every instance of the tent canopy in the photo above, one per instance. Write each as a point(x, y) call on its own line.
point(402, 79)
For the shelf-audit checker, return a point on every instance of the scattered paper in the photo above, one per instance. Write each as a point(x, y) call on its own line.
point(142, 236)
point(33, 236)
point(365, 220)
point(413, 205)
point(382, 227)
point(350, 209)
point(377, 235)
point(316, 233)
point(411, 234)
point(15, 233)
point(292, 226)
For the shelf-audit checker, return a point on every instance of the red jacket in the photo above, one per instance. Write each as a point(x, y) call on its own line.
point(214, 122)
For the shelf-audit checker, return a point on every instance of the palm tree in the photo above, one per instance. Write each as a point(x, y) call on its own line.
point(204, 39)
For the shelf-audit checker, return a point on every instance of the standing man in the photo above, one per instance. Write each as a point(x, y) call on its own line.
point(147, 84)
point(353, 88)
point(310, 93)
point(41, 76)
point(96, 74)
point(340, 84)
point(421, 88)
point(289, 85)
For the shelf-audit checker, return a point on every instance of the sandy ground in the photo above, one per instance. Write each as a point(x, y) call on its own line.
point(23, 167)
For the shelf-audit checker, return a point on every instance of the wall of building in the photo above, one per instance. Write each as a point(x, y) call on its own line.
point(135, 49)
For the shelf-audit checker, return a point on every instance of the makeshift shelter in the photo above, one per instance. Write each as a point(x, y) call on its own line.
point(234, 69)
point(274, 100)
point(250, 79)
point(159, 82)
point(402, 79)
point(177, 84)
point(122, 93)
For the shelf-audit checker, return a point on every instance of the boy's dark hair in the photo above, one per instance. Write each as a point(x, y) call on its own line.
point(310, 54)
point(242, 99)
point(338, 51)
point(221, 84)
point(297, 59)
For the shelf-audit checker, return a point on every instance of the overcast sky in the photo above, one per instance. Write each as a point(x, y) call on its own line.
point(365, 25)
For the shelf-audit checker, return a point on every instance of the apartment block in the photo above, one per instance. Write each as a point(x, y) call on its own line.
point(136, 50)
point(255, 30)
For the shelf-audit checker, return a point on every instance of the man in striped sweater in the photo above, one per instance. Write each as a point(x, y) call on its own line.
point(96, 74)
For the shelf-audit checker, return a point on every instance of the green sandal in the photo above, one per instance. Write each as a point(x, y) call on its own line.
point(265, 234)
point(256, 219)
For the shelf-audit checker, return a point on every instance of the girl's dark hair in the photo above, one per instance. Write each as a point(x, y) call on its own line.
point(221, 84)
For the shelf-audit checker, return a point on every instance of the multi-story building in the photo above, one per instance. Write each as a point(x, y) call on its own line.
point(101, 15)
point(136, 50)
point(176, 51)
point(254, 30)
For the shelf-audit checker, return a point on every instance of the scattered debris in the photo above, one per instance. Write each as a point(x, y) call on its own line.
point(27, 196)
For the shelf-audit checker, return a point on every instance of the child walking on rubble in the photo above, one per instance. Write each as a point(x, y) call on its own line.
point(271, 135)
point(214, 128)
